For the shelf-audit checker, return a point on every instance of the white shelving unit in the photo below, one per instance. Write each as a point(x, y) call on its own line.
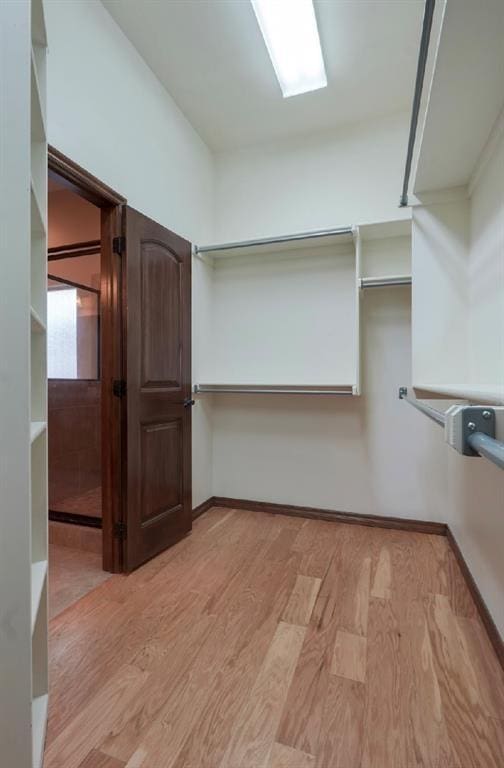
point(39, 720)
point(386, 252)
point(278, 316)
point(38, 378)
point(458, 237)
point(37, 428)
point(23, 386)
point(283, 316)
point(38, 582)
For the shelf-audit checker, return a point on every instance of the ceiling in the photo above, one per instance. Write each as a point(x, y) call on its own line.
point(211, 58)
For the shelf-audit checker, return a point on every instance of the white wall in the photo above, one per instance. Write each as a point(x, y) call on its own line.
point(486, 269)
point(282, 318)
point(327, 452)
point(109, 113)
point(440, 256)
point(475, 512)
point(351, 175)
point(352, 454)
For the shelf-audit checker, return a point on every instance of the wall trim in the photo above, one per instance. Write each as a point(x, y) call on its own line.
point(203, 507)
point(482, 608)
point(78, 180)
point(354, 518)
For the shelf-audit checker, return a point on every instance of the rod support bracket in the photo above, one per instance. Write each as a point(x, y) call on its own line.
point(403, 392)
point(476, 419)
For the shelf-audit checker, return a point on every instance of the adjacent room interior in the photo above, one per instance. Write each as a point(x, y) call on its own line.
point(74, 396)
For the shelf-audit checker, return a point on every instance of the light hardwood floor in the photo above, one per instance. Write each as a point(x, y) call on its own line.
point(265, 641)
point(73, 573)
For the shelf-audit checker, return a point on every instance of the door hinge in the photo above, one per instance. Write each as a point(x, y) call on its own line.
point(119, 387)
point(120, 530)
point(119, 245)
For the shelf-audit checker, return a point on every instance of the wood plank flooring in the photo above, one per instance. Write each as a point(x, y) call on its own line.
point(265, 641)
point(73, 572)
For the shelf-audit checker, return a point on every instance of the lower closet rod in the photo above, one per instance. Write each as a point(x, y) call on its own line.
point(432, 413)
point(466, 433)
point(488, 447)
point(238, 389)
point(382, 282)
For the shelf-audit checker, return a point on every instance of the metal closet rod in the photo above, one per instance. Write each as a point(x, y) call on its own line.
point(432, 413)
point(272, 240)
point(488, 447)
point(417, 98)
point(272, 390)
point(381, 282)
point(483, 445)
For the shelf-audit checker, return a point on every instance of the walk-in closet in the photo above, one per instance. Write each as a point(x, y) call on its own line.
point(252, 384)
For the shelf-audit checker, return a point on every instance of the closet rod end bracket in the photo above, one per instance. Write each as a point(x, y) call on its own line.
point(476, 419)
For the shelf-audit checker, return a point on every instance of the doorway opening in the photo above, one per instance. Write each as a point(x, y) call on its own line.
point(83, 358)
point(74, 395)
point(120, 326)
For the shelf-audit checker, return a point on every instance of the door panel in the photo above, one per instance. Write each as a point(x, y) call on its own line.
point(162, 488)
point(157, 309)
point(162, 285)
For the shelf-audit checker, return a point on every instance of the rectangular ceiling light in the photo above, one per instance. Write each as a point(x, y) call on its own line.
point(289, 28)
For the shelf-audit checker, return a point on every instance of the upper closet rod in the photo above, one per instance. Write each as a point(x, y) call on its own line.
point(470, 429)
point(272, 240)
point(417, 98)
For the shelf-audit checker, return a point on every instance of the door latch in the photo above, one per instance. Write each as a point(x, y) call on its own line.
point(188, 403)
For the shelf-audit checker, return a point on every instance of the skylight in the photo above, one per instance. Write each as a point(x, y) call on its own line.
point(289, 28)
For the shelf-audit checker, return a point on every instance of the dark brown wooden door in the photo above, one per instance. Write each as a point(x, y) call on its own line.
point(157, 348)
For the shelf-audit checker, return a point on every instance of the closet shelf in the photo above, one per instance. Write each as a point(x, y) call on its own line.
point(39, 721)
point(38, 577)
point(37, 217)
point(36, 429)
point(386, 280)
point(37, 325)
point(481, 395)
point(387, 228)
point(38, 126)
point(277, 389)
point(38, 27)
